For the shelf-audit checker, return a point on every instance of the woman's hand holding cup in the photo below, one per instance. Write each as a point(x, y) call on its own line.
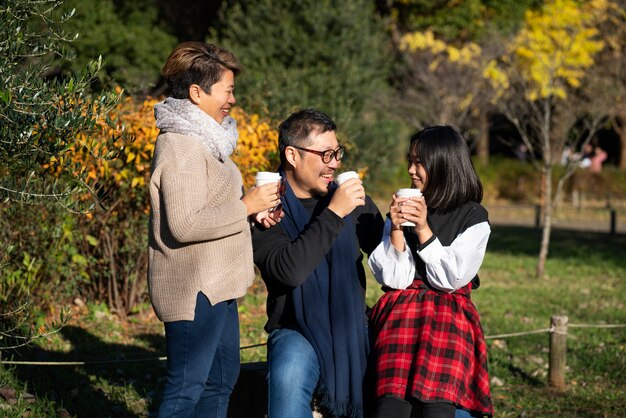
point(266, 194)
point(407, 208)
point(271, 212)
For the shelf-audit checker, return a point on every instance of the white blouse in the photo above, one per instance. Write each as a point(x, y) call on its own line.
point(447, 268)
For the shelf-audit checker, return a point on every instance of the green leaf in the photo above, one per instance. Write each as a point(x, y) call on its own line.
point(93, 241)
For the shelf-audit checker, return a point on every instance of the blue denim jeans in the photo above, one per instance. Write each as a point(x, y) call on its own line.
point(202, 361)
point(293, 374)
point(461, 413)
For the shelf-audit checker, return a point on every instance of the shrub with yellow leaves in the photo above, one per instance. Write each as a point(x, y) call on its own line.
point(115, 234)
point(128, 172)
point(257, 149)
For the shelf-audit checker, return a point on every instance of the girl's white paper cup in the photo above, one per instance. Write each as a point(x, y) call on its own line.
point(341, 178)
point(408, 193)
point(265, 177)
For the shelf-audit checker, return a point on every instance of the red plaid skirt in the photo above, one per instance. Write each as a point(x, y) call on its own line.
point(430, 345)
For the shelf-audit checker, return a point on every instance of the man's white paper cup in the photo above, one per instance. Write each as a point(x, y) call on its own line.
point(341, 178)
point(265, 177)
point(408, 193)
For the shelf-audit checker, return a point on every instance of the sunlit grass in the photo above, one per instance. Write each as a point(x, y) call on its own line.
point(585, 280)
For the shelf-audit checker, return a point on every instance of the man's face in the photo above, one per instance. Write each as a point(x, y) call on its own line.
point(311, 176)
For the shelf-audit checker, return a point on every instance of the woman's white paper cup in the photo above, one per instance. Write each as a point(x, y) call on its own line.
point(341, 178)
point(265, 177)
point(408, 193)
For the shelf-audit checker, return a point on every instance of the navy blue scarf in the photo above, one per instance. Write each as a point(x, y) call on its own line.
point(330, 311)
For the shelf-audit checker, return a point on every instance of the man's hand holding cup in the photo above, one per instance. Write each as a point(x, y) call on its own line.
point(348, 195)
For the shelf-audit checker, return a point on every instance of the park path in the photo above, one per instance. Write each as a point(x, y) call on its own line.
point(586, 219)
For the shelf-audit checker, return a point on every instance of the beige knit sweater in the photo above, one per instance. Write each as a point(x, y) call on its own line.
point(199, 233)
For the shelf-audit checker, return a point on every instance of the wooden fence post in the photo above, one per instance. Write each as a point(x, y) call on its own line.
point(558, 349)
point(613, 221)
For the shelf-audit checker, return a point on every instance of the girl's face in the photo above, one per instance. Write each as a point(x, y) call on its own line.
point(417, 172)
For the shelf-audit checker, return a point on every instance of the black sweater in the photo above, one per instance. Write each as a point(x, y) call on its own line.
point(285, 264)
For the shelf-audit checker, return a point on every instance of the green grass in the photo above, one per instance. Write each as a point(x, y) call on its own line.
point(585, 280)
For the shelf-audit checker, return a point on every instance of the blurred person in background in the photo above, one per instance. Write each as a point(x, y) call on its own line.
point(598, 158)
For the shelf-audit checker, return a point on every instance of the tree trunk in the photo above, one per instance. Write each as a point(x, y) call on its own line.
point(482, 147)
point(547, 222)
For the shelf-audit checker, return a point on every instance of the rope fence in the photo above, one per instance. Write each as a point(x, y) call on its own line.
point(97, 362)
point(249, 397)
point(556, 370)
point(612, 213)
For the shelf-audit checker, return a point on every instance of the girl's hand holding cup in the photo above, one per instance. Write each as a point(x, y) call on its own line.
point(406, 207)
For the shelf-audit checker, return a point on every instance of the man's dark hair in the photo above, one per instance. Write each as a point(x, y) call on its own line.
point(296, 129)
point(452, 179)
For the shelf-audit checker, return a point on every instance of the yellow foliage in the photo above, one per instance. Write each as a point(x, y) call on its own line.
point(557, 44)
point(257, 149)
point(130, 169)
point(466, 101)
point(496, 76)
point(422, 41)
point(425, 41)
point(99, 161)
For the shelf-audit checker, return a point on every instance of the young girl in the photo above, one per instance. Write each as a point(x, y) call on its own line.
point(429, 351)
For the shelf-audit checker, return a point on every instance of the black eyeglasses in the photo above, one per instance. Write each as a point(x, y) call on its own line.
point(327, 155)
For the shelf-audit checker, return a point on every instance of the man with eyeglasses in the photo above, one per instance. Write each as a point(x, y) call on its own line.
point(312, 266)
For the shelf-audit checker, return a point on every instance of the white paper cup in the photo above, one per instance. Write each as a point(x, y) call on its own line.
point(408, 193)
point(265, 177)
point(347, 175)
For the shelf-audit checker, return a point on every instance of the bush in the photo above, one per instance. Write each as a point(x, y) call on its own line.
point(102, 255)
point(42, 114)
point(519, 182)
point(257, 149)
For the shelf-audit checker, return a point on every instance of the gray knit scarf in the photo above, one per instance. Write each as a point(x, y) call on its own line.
point(183, 117)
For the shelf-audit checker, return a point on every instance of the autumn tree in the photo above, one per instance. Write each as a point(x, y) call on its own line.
point(546, 67)
point(447, 84)
point(445, 49)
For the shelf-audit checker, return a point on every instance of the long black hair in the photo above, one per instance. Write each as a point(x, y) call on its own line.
point(452, 179)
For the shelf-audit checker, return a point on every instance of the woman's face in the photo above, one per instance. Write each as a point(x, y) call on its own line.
point(218, 103)
point(417, 172)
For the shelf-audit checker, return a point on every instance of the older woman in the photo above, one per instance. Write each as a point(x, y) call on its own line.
point(200, 244)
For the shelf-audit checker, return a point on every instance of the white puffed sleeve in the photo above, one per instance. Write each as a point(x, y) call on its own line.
point(450, 268)
point(391, 267)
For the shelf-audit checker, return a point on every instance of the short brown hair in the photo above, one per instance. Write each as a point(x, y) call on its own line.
point(197, 63)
